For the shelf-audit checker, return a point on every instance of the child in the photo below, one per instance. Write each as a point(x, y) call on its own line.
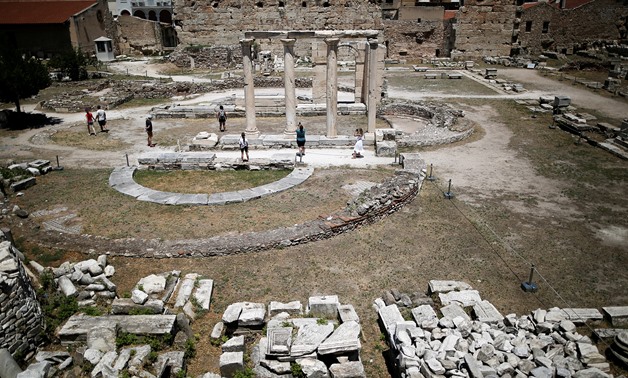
point(358, 149)
point(90, 122)
point(301, 140)
point(222, 118)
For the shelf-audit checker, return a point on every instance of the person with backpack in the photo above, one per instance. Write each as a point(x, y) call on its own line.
point(244, 147)
point(222, 118)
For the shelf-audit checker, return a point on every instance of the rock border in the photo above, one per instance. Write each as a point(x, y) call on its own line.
point(366, 208)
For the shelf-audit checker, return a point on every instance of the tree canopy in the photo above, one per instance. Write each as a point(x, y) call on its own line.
point(73, 64)
point(20, 77)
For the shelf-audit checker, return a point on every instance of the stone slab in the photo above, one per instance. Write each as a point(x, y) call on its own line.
point(390, 316)
point(309, 338)
point(76, 328)
point(323, 306)
point(279, 341)
point(454, 310)
point(618, 315)
point(347, 313)
point(581, 315)
point(464, 298)
point(293, 308)
point(344, 339)
point(203, 293)
point(445, 286)
point(487, 313)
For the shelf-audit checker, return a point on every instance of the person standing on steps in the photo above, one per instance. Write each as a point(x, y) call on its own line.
point(101, 117)
point(90, 122)
point(358, 149)
point(244, 147)
point(149, 130)
point(221, 115)
point(301, 140)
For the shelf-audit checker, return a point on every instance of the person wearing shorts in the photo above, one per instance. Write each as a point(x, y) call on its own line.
point(101, 117)
point(244, 147)
point(149, 130)
point(301, 140)
point(222, 118)
point(90, 122)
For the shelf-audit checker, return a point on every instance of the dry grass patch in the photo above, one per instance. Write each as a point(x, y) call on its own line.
point(206, 181)
point(81, 139)
point(414, 81)
point(106, 212)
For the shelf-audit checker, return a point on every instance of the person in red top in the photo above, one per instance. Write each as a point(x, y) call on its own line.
point(90, 122)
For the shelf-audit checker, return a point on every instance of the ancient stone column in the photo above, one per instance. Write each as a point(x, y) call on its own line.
point(332, 85)
point(249, 86)
point(288, 78)
point(372, 85)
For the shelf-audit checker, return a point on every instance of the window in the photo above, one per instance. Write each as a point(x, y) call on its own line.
point(304, 4)
point(545, 26)
point(528, 26)
point(389, 1)
point(418, 20)
point(281, 4)
point(259, 4)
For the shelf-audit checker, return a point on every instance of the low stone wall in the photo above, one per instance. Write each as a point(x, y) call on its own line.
point(369, 207)
point(21, 319)
point(439, 115)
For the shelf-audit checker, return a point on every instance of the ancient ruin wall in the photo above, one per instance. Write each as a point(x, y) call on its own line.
point(413, 40)
point(595, 23)
point(139, 36)
point(21, 319)
point(214, 28)
point(484, 28)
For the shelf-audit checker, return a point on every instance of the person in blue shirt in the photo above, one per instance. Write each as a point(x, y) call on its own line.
point(301, 140)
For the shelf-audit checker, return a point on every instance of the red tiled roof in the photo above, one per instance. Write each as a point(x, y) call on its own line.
point(40, 12)
point(530, 5)
point(449, 14)
point(571, 4)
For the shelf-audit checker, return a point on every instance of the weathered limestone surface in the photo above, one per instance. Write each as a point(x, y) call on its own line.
point(76, 328)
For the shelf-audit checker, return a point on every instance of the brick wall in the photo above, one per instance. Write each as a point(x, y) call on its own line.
point(569, 30)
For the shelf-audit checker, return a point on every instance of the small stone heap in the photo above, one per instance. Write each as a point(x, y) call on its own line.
point(86, 280)
point(24, 175)
point(326, 343)
point(21, 318)
point(149, 295)
point(472, 339)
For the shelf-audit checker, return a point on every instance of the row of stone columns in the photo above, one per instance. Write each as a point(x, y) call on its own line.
point(290, 90)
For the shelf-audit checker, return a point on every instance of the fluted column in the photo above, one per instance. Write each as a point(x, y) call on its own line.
point(249, 86)
point(332, 85)
point(288, 78)
point(372, 85)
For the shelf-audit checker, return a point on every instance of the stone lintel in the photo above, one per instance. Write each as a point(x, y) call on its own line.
point(310, 34)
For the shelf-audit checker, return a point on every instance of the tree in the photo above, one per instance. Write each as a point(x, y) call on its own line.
point(72, 63)
point(20, 77)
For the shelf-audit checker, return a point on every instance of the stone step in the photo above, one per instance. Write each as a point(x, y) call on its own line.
point(76, 328)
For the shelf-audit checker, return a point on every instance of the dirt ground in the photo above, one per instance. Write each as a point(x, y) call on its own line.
point(524, 194)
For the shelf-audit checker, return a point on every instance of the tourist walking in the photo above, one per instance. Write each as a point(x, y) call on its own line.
point(149, 130)
point(301, 140)
point(244, 147)
point(358, 149)
point(101, 117)
point(221, 115)
point(90, 122)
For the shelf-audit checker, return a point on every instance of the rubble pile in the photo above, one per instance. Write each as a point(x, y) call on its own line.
point(469, 337)
point(325, 343)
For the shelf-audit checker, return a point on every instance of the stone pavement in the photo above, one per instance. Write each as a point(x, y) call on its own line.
point(121, 179)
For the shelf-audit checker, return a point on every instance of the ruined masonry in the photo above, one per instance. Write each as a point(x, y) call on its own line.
point(468, 337)
point(21, 318)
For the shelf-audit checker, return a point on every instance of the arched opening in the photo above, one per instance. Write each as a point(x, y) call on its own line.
point(152, 15)
point(347, 73)
point(139, 14)
point(125, 13)
point(165, 16)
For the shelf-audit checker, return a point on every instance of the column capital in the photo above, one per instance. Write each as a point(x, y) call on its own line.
point(246, 41)
point(332, 41)
point(288, 41)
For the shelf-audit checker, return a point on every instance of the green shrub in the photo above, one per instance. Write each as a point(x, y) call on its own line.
point(141, 311)
point(244, 373)
point(125, 338)
point(91, 311)
point(190, 349)
point(297, 370)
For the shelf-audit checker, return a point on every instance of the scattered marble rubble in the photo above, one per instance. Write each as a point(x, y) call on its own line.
point(473, 339)
point(325, 343)
point(30, 171)
point(87, 280)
